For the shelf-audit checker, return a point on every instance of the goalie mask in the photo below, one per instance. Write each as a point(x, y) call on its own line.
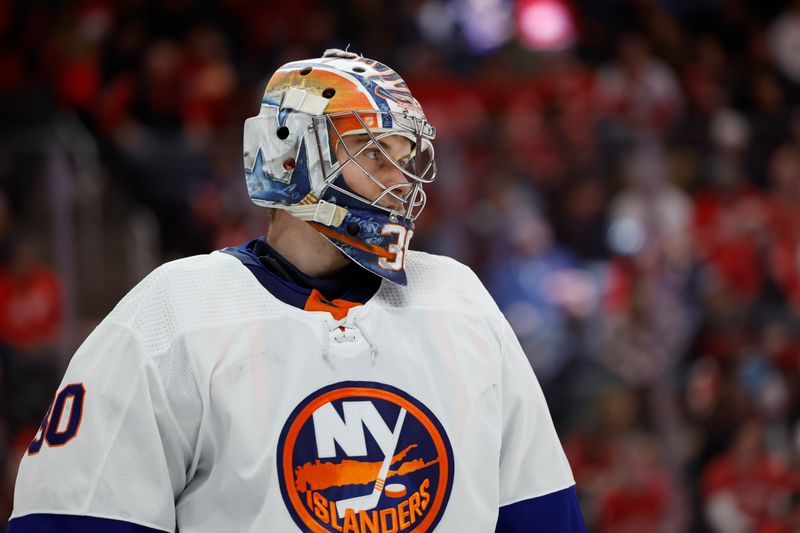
point(308, 110)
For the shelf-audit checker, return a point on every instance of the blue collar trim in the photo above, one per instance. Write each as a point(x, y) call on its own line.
point(291, 286)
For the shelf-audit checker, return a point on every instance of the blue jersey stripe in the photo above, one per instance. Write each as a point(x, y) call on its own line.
point(557, 512)
point(49, 523)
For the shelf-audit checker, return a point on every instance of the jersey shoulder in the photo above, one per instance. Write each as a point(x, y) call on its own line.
point(442, 283)
point(193, 292)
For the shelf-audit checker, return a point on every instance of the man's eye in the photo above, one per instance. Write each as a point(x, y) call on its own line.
point(373, 154)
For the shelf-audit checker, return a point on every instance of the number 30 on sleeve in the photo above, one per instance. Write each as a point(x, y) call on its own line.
point(57, 430)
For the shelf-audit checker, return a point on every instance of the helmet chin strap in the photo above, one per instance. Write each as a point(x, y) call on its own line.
point(323, 212)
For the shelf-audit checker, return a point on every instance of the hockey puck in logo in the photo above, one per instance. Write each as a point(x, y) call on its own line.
point(395, 490)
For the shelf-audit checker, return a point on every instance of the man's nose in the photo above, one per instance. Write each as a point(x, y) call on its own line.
point(393, 176)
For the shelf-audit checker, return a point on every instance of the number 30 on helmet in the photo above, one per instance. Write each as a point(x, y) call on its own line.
point(290, 156)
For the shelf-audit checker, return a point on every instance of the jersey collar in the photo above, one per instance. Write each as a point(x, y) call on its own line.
point(349, 288)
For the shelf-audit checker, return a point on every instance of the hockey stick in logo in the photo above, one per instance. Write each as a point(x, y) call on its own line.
point(370, 501)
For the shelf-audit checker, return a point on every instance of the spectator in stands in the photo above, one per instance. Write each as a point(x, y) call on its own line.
point(30, 301)
point(637, 93)
point(745, 487)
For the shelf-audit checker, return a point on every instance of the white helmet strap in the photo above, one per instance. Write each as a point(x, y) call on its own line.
point(302, 100)
point(323, 212)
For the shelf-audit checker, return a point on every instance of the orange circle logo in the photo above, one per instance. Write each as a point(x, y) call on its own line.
point(359, 457)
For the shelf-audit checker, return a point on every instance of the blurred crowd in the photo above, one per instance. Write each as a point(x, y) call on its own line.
point(632, 201)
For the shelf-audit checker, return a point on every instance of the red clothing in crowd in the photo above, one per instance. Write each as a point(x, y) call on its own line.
point(635, 506)
point(756, 488)
point(30, 308)
point(728, 230)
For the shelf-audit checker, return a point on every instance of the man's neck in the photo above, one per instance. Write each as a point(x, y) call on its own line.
point(299, 243)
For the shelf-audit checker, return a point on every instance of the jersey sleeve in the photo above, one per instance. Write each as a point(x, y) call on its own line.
point(109, 455)
point(537, 490)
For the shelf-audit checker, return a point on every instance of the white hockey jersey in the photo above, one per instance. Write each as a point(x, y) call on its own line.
point(203, 404)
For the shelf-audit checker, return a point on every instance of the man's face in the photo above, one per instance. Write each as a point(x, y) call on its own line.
point(381, 168)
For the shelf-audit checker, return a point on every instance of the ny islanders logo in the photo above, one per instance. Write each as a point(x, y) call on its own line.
point(363, 457)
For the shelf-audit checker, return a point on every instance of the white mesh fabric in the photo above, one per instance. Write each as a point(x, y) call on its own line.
point(193, 293)
point(442, 283)
point(182, 391)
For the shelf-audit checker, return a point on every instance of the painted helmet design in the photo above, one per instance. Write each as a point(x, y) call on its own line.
point(291, 163)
